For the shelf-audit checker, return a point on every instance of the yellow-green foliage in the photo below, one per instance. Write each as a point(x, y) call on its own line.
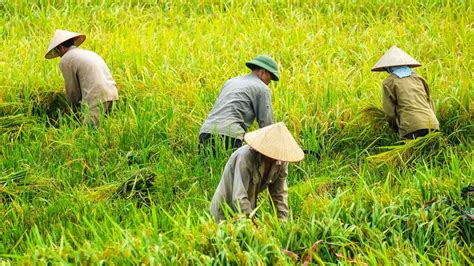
point(170, 59)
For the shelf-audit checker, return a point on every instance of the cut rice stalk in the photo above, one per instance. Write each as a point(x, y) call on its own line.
point(429, 146)
point(13, 123)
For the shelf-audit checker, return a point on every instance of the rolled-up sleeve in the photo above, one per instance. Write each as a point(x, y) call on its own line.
point(263, 108)
point(242, 179)
point(279, 193)
point(71, 84)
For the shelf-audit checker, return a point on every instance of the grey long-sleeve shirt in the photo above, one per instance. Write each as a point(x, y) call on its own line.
point(241, 100)
point(243, 179)
point(87, 78)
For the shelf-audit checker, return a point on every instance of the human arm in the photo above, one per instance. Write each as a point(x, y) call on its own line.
point(241, 184)
point(279, 193)
point(71, 84)
point(389, 102)
point(263, 107)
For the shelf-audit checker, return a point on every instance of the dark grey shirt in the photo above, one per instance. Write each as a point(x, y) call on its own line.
point(241, 100)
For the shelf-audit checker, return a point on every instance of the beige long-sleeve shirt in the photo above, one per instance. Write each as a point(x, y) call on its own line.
point(87, 78)
point(407, 103)
point(241, 101)
point(244, 178)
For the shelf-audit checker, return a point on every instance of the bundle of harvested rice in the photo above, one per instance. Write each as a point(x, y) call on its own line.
point(13, 123)
point(12, 185)
point(49, 103)
point(14, 177)
point(373, 116)
point(10, 108)
point(102, 192)
point(428, 147)
point(139, 186)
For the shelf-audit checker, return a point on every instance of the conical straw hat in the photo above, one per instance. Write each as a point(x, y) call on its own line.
point(276, 142)
point(395, 57)
point(61, 36)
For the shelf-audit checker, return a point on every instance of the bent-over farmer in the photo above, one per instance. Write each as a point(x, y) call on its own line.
point(87, 79)
point(261, 164)
point(241, 100)
point(406, 96)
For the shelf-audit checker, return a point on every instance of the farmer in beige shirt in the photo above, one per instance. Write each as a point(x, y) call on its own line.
point(87, 78)
point(261, 164)
point(406, 97)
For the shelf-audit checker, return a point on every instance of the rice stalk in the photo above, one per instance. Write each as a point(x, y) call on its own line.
point(325, 51)
point(12, 185)
point(49, 103)
point(430, 146)
point(13, 177)
point(373, 116)
point(13, 123)
point(10, 108)
point(101, 193)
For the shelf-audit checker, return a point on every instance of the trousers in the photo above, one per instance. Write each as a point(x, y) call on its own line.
point(92, 113)
point(211, 142)
point(418, 133)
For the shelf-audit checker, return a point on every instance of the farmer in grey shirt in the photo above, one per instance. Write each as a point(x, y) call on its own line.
point(241, 100)
point(253, 168)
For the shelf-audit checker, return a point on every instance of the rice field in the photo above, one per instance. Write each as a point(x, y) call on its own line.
point(135, 190)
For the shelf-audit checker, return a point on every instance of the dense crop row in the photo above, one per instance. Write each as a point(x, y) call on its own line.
point(135, 190)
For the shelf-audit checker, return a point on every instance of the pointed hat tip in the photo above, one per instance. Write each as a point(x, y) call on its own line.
point(395, 57)
point(276, 142)
point(61, 36)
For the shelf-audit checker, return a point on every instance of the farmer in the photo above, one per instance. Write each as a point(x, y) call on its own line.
point(252, 168)
point(241, 100)
point(406, 97)
point(88, 82)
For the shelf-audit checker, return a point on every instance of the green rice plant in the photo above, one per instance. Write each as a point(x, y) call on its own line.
point(135, 191)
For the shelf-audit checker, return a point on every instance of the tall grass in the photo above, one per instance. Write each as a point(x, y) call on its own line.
point(135, 190)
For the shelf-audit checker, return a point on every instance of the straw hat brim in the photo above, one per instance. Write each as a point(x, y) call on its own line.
point(275, 142)
point(384, 68)
point(60, 37)
point(395, 57)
